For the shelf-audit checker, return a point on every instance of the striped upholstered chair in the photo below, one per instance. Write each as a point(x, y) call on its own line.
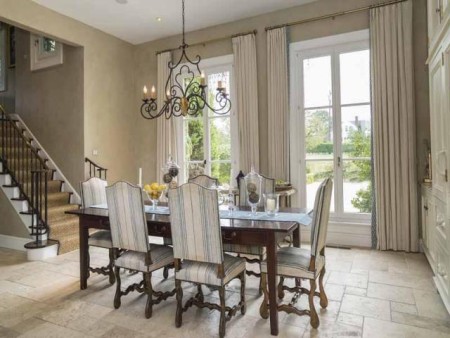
point(303, 263)
point(205, 181)
point(197, 248)
point(93, 193)
point(253, 254)
point(129, 232)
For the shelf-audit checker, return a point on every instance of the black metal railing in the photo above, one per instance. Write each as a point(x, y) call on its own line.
point(28, 172)
point(95, 170)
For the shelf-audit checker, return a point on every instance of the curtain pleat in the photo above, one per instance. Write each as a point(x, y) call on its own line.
point(244, 50)
point(278, 103)
point(166, 134)
point(394, 127)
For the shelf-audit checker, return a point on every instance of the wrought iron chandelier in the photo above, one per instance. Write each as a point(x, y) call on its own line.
point(187, 94)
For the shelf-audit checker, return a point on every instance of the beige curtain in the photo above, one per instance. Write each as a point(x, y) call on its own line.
point(244, 49)
point(278, 103)
point(166, 135)
point(394, 127)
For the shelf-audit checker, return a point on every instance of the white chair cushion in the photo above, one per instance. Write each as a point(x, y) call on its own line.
point(206, 273)
point(294, 262)
point(244, 249)
point(133, 260)
point(101, 238)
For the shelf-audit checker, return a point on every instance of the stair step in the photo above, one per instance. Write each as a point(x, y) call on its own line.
point(68, 243)
point(59, 212)
point(64, 228)
point(53, 186)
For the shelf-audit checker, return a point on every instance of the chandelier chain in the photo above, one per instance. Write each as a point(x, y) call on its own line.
point(184, 42)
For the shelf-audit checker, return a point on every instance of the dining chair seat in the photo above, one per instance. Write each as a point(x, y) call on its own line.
point(206, 273)
point(295, 262)
point(133, 260)
point(244, 249)
point(101, 239)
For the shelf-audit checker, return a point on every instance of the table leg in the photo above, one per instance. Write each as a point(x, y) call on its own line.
point(272, 283)
point(297, 236)
point(84, 264)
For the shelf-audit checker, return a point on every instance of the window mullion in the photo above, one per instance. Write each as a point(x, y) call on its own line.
point(337, 135)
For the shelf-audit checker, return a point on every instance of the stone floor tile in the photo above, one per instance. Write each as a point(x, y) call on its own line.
point(350, 319)
point(403, 308)
point(350, 290)
point(390, 292)
point(348, 279)
point(429, 304)
point(419, 321)
point(367, 307)
point(374, 328)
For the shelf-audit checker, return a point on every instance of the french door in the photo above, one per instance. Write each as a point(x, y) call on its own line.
point(208, 139)
point(332, 109)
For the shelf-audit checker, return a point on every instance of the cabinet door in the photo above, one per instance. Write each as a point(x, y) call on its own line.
point(425, 221)
point(431, 230)
point(445, 8)
point(438, 126)
point(434, 18)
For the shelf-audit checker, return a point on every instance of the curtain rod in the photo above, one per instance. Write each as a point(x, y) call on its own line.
point(212, 40)
point(332, 16)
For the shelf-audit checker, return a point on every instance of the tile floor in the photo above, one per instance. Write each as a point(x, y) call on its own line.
point(371, 294)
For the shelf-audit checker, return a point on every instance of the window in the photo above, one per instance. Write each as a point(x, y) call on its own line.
point(208, 140)
point(330, 95)
point(45, 52)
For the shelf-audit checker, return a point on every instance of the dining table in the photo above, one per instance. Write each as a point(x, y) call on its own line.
point(246, 229)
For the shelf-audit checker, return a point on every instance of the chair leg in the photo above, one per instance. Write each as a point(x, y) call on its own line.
point(244, 304)
point(112, 278)
point(199, 294)
point(261, 258)
point(149, 291)
point(323, 296)
point(222, 312)
point(88, 262)
point(312, 309)
point(280, 288)
point(118, 293)
point(179, 313)
point(166, 272)
point(264, 310)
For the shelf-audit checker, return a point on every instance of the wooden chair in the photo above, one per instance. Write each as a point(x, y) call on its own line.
point(301, 263)
point(253, 254)
point(197, 248)
point(129, 232)
point(93, 193)
point(204, 181)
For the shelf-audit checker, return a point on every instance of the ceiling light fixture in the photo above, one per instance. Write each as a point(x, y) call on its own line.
point(186, 90)
point(122, 2)
point(159, 19)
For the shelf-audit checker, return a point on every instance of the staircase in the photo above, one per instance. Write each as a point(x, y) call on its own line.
point(36, 188)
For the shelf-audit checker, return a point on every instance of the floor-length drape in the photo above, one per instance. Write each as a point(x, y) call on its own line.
point(166, 135)
point(244, 49)
point(278, 103)
point(394, 127)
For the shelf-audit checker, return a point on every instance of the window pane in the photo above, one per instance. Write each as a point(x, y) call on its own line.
point(356, 131)
point(213, 80)
point(317, 81)
point(222, 172)
point(219, 129)
point(194, 169)
point(357, 186)
point(319, 134)
point(193, 145)
point(355, 77)
point(316, 172)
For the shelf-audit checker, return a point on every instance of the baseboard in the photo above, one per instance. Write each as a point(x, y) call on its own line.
point(15, 243)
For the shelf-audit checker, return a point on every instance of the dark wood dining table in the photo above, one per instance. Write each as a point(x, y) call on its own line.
point(265, 233)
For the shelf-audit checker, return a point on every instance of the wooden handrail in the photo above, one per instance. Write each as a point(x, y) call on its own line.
point(96, 167)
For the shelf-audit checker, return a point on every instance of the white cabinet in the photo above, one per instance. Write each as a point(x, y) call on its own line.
point(436, 197)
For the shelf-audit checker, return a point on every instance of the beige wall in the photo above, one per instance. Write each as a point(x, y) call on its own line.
point(10, 222)
point(146, 71)
point(108, 108)
point(7, 97)
point(50, 101)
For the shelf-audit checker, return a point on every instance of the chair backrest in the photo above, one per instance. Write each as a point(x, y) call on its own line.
point(321, 216)
point(267, 187)
point(93, 192)
point(195, 224)
point(205, 181)
point(127, 217)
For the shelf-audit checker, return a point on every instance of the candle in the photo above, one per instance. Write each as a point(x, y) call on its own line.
point(168, 94)
point(202, 79)
point(140, 177)
point(153, 93)
point(145, 93)
point(270, 205)
point(219, 84)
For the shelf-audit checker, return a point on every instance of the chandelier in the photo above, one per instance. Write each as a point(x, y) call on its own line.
point(185, 93)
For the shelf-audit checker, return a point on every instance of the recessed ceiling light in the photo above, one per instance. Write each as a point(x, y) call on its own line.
point(122, 2)
point(159, 19)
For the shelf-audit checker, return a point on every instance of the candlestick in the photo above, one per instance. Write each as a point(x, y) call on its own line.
point(140, 177)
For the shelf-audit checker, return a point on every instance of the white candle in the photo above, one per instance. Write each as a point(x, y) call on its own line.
point(270, 204)
point(144, 91)
point(219, 84)
point(153, 93)
point(140, 177)
point(202, 79)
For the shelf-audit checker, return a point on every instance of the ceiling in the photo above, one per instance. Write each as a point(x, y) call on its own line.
point(136, 21)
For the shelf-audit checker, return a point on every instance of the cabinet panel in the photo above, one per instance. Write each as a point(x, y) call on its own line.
point(434, 18)
point(442, 267)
